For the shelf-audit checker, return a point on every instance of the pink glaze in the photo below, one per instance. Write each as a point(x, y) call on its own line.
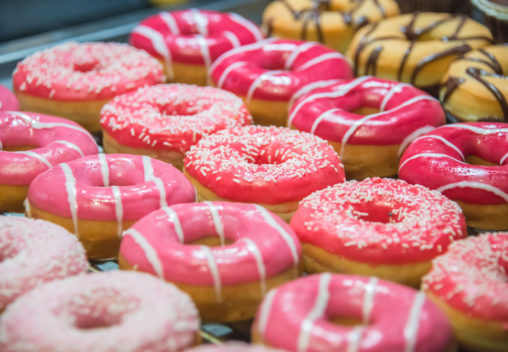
point(379, 221)
point(86, 72)
point(33, 252)
point(263, 164)
point(55, 140)
point(193, 36)
point(404, 112)
point(171, 116)
point(437, 160)
point(263, 245)
point(110, 187)
point(8, 100)
point(232, 347)
point(296, 317)
point(274, 69)
point(472, 277)
point(110, 311)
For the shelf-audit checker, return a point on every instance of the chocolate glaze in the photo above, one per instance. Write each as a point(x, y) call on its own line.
point(477, 74)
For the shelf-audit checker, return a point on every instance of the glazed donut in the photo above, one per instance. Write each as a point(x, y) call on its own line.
point(271, 166)
point(188, 41)
point(232, 347)
point(368, 121)
point(331, 22)
point(475, 88)
point(29, 145)
point(34, 252)
point(267, 73)
point(8, 100)
point(415, 48)
point(381, 227)
point(331, 312)
point(469, 283)
point(75, 80)
point(98, 196)
point(468, 163)
point(164, 121)
point(226, 256)
point(110, 311)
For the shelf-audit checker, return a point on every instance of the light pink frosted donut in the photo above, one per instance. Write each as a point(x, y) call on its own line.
point(111, 311)
point(8, 100)
point(33, 252)
point(232, 347)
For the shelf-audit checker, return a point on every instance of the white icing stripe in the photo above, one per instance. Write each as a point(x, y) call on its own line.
point(205, 50)
point(104, 169)
point(233, 39)
point(477, 185)
point(36, 156)
point(148, 250)
point(395, 89)
point(214, 270)
point(354, 339)
point(321, 118)
point(227, 71)
point(70, 188)
point(445, 141)
point(149, 176)
point(168, 19)
point(1, 145)
point(217, 222)
point(28, 209)
point(368, 299)
point(265, 310)
point(317, 311)
point(503, 159)
point(475, 129)
point(159, 45)
point(173, 218)
point(70, 145)
point(253, 248)
point(201, 21)
point(271, 221)
point(309, 87)
point(411, 329)
point(251, 27)
point(257, 82)
point(295, 53)
point(319, 59)
point(118, 209)
point(412, 136)
point(427, 155)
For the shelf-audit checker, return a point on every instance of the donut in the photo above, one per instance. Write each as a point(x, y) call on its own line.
point(34, 252)
point(164, 121)
point(368, 121)
point(188, 41)
point(469, 284)
point(381, 227)
point(99, 196)
point(232, 347)
point(272, 166)
point(226, 256)
point(474, 87)
point(8, 100)
point(468, 163)
point(331, 22)
point(102, 312)
point(267, 73)
point(74, 80)
point(415, 48)
point(332, 312)
point(32, 143)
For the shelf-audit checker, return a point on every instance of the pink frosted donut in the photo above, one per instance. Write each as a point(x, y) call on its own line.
point(232, 347)
point(266, 74)
point(188, 41)
point(75, 80)
point(164, 121)
point(382, 227)
point(31, 144)
point(110, 311)
point(467, 162)
point(8, 100)
point(298, 316)
point(97, 197)
point(272, 166)
point(253, 251)
point(33, 252)
point(470, 283)
point(369, 121)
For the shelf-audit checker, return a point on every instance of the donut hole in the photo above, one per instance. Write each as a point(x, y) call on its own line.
point(86, 65)
point(375, 212)
point(183, 108)
point(20, 148)
point(346, 321)
point(477, 160)
point(365, 110)
point(211, 241)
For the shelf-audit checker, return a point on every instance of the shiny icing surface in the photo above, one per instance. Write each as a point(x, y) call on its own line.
point(297, 316)
point(379, 221)
point(33, 252)
point(437, 160)
point(263, 245)
point(263, 164)
point(274, 69)
point(54, 140)
point(8, 100)
point(171, 116)
point(111, 311)
point(472, 277)
point(86, 71)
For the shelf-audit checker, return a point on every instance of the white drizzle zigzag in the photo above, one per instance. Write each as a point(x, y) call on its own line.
point(309, 87)
point(149, 176)
point(321, 118)
point(70, 145)
point(70, 187)
point(368, 299)
point(36, 156)
point(173, 218)
point(319, 59)
point(227, 71)
point(411, 328)
point(445, 141)
point(295, 53)
point(254, 249)
point(214, 271)
point(159, 45)
point(118, 209)
point(148, 250)
point(477, 185)
point(168, 19)
point(265, 310)
point(428, 155)
point(247, 24)
point(257, 82)
point(395, 89)
point(412, 137)
point(503, 159)
point(217, 222)
point(104, 169)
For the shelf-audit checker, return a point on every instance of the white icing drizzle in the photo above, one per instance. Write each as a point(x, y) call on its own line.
point(475, 129)
point(159, 44)
point(445, 141)
point(217, 222)
point(368, 299)
point(149, 176)
point(70, 188)
point(317, 311)
point(173, 218)
point(354, 339)
point(233, 39)
point(205, 50)
point(264, 311)
point(104, 169)
point(70, 145)
point(118, 209)
point(1, 145)
point(251, 27)
point(36, 156)
point(148, 250)
point(295, 53)
point(201, 21)
point(321, 118)
point(395, 89)
point(255, 85)
point(427, 155)
point(168, 19)
point(411, 329)
point(214, 270)
point(412, 136)
point(503, 159)
point(309, 87)
point(253, 248)
point(319, 59)
point(28, 209)
point(226, 72)
point(478, 185)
